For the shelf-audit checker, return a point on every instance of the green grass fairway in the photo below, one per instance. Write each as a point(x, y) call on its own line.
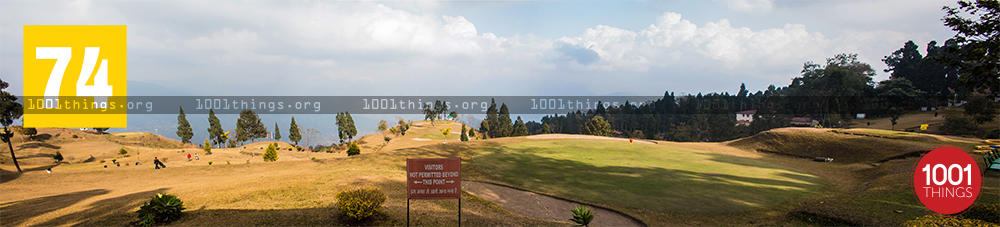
point(646, 176)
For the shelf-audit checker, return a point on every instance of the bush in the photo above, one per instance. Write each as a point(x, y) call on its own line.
point(993, 134)
point(74, 137)
point(353, 150)
point(958, 124)
point(209, 162)
point(122, 151)
point(582, 216)
point(986, 212)
point(934, 220)
point(162, 208)
point(360, 203)
point(58, 157)
point(271, 154)
point(100, 161)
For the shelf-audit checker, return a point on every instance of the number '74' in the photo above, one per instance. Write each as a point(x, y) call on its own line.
point(62, 56)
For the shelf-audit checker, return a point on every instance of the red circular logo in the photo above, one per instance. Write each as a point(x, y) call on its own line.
point(947, 180)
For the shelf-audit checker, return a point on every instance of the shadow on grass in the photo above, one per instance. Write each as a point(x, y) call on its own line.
point(37, 144)
point(7, 176)
point(646, 187)
point(16, 213)
point(117, 211)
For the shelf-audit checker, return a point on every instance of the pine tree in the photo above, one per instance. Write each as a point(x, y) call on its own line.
point(472, 133)
point(519, 128)
point(277, 132)
point(464, 137)
point(545, 129)
point(596, 126)
point(249, 126)
point(293, 132)
point(207, 147)
point(271, 154)
point(491, 122)
point(184, 130)
point(215, 128)
point(505, 126)
point(351, 129)
point(342, 127)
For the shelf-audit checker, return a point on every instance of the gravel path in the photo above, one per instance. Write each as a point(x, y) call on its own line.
point(541, 206)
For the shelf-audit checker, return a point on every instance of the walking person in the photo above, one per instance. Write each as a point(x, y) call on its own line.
point(189, 157)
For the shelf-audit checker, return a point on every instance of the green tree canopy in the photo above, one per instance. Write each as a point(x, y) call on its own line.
point(184, 130)
point(979, 38)
point(596, 126)
point(249, 126)
point(294, 134)
point(519, 128)
point(215, 129)
point(277, 132)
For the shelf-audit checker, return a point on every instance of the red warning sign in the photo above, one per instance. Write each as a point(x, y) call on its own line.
point(438, 178)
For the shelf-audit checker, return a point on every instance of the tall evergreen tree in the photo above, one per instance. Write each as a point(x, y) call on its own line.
point(352, 130)
point(341, 127)
point(277, 132)
point(492, 121)
point(519, 128)
point(215, 129)
point(10, 110)
point(464, 137)
point(294, 134)
point(184, 130)
point(505, 126)
point(249, 126)
point(545, 129)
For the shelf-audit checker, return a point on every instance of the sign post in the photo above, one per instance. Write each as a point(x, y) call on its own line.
point(437, 178)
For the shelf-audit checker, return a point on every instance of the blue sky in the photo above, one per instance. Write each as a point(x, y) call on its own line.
point(479, 47)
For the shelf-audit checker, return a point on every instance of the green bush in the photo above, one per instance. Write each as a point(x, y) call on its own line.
point(986, 212)
point(209, 162)
point(74, 137)
point(993, 134)
point(271, 154)
point(162, 208)
point(958, 124)
point(934, 220)
point(360, 203)
point(122, 151)
point(582, 215)
point(353, 150)
point(58, 157)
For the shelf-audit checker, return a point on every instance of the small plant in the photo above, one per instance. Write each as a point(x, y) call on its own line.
point(58, 157)
point(122, 151)
point(100, 161)
point(74, 137)
point(313, 158)
point(207, 147)
point(162, 208)
point(387, 139)
point(360, 203)
point(209, 162)
point(271, 154)
point(114, 160)
point(353, 150)
point(227, 162)
point(582, 215)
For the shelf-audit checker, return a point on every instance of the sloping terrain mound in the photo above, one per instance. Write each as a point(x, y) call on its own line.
point(843, 148)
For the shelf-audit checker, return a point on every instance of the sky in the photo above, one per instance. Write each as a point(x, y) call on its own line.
point(483, 48)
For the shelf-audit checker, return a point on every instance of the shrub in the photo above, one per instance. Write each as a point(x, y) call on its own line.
point(582, 215)
point(993, 134)
point(353, 150)
point(986, 212)
point(387, 139)
point(360, 203)
point(74, 137)
point(207, 147)
point(271, 154)
point(58, 157)
point(162, 208)
point(934, 220)
point(227, 162)
point(957, 124)
point(209, 162)
point(313, 158)
point(122, 151)
point(100, 161)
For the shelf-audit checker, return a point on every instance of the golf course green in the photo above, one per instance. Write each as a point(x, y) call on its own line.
point(646, 176)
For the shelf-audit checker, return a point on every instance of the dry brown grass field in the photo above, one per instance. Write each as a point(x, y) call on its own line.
point(297, 190)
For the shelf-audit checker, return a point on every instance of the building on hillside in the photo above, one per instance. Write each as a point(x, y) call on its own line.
point(745, 117)
point(804, 122)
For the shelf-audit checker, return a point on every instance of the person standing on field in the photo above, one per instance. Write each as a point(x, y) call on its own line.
point(189, 157)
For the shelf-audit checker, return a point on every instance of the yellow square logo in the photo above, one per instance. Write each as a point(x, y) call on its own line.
point(74, 76)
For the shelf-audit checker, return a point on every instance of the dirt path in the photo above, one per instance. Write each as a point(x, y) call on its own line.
point(541, 206)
